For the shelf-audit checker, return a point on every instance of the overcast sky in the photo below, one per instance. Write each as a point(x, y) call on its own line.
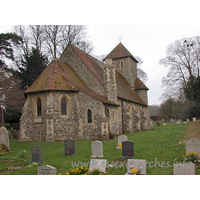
point(149, 42)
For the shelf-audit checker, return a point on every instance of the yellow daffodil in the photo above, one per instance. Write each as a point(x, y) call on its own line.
point(24, 151)
point(134, 171)
point(59, 174)
point(120, 145)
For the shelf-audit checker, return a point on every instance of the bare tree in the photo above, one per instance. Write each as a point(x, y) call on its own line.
point(38, 35)
point(183, 59)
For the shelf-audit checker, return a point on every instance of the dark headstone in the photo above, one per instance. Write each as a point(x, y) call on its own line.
point(36, 154)
point(127, 149)
point(69, 147)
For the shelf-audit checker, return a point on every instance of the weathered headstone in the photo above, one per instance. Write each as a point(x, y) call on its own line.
point(193, 145)
point(172, 121)
point(184, 169)
point(4, 137)
point(99, 164)
point(139, 165)
point(97, 149)
point(194, 119)
point(127, 149)
point(187, 120)
point(36, 154)
point(69, 147)
point(46, 170)
point(158, 123)
point(121, 138)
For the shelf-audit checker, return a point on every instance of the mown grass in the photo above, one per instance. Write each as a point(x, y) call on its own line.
point(161, 147)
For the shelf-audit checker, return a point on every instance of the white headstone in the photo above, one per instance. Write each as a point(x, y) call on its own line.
point(99, 164)
point(184, 169)
point(97, 149)
point(193, 145)
point(137, 164)
point(46, 170)
point(4, 137)
point(121, 138)
point(194, 119)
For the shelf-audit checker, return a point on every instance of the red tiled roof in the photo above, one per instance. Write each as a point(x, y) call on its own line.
point(139, 85)
point(119, 52)
point(59, 75)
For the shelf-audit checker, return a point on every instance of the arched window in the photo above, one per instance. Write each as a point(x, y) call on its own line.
point(63, 106)
point(89, 116)
point(39, 107)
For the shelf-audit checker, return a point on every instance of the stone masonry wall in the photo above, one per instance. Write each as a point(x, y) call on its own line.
point(70, 57)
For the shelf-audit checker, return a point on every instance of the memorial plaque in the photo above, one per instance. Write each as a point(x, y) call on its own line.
point(99, 164)
point(184, 169)
point(193, 145)
point(46, 170)
point(121, 139)
point(69, 147)
point(140, 165)
point(97, 149)
point(36, 154)
point(127, 149)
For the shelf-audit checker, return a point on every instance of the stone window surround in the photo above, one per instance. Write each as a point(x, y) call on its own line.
point(121, 64)
point(38, 119)
point(86, 116)
point(68, 105)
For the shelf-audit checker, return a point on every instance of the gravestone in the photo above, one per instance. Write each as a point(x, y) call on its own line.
point(121, 139)
point(187, 120)
point(4, 137)
point(97, 149)
point(158, 123)
point(69, 147)
point(36, 154)
point(194, 119)
point(184, 169)
point(127, 149)
point(193, 145)
point(172, 121)
point(98, 163)
point(137, 164)
point(46, 170)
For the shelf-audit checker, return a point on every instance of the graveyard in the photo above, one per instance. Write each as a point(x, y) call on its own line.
point(159, 148)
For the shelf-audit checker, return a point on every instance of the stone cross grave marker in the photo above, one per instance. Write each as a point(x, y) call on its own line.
point(69, 147)
point(46, 170)
point(121, 138)
point(127, 149)
point(193, 145)
point(97, 149)
point(184, 169)
point(4, 137)
point(140, 165)
point(98, 163)
point(36, 154)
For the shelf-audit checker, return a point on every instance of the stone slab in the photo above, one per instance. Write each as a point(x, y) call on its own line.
point(121, 138)
point(127, 149)
point(137, 164)
point(97, 149)
point(98, 163)
point(184, 169)
point(70, 148)
point(46, 170)
point(4, 137)
point(193, 145)
point(36, 154)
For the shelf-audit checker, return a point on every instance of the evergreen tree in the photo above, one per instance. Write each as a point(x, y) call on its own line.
point(32, 66)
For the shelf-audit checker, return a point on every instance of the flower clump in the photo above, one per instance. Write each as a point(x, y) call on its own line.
point(191, 156)
point(82, 171)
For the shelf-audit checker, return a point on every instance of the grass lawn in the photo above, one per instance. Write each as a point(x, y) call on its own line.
point(161, 147)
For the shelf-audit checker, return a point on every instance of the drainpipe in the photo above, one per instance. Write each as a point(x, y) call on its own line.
point(122, 117)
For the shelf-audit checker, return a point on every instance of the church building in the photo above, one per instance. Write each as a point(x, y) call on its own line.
point(79, 97)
